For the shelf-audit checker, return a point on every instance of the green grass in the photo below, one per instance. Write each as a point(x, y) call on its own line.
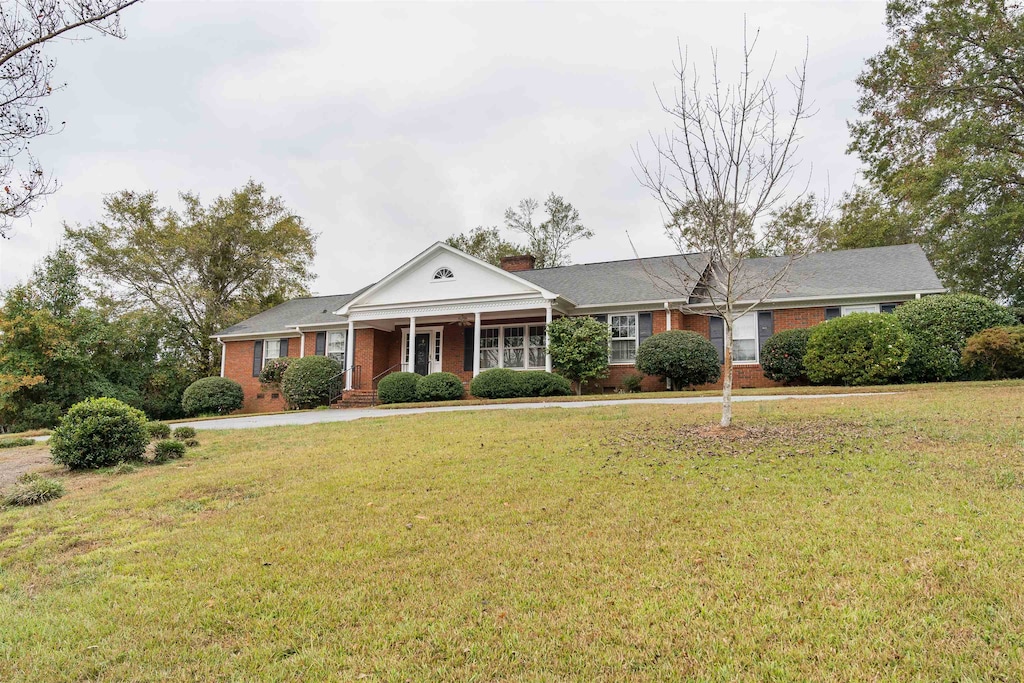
point(865, 538)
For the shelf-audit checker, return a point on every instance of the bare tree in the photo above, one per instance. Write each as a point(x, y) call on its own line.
point(549, 241)
point(720, 172)
point(26, 26)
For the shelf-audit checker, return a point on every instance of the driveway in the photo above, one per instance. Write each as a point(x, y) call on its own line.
point(350, 414)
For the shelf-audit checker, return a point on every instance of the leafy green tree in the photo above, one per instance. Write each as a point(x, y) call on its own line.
point(941, 131)
point(202, 268)
point(867, 218)
point(486, 244)
point(549, 240)
point(579, 349)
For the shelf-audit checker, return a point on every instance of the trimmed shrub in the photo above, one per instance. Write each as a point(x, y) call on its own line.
point(996, 353)
point(16, 442)
point(273, 370)
point(686, 358)
point(213, 396)
point(497, 383)
point(191, 443)
point(633, 382)
point(578, 348)
point(168, 449)
point(398, 387)
point(939, 327)
point(857, 349)
point(543, 383)
point(782, 357)
point(306, 383)
point(33, 489)
point(99, 432)
point(158, 430)
point(184, 433)
point(439, 386)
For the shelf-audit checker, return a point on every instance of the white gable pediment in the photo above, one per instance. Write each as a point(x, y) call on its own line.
point(443, 274)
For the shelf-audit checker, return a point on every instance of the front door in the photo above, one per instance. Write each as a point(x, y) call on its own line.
point(421, 364)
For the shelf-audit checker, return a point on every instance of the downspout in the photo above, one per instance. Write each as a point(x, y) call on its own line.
point(668, 327)
point(223, 354)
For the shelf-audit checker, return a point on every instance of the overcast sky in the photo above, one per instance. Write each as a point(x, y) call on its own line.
point(388, 127)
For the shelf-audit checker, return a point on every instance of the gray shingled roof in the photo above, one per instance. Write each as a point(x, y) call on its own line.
point(307, 310)
point(873, 271)
point(617, 282)
point(867, 272)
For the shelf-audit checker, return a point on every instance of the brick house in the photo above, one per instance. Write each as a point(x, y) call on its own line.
point(447, 311)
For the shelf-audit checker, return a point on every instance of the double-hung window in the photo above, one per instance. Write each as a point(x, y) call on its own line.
point(336, 345)
point(623, 338)
point(271, 349)
point(538, 346)
point(863, 308)
point(744, 339)
point(513, 346)
point(489, 352)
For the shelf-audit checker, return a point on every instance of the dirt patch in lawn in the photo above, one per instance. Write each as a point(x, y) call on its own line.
point(16, 461)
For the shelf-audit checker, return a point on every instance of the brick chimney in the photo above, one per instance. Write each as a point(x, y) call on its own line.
point(516, 263)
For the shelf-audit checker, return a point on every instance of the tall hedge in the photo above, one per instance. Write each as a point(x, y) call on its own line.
point(306, 381)
point(782, 358)
point(686, 358)
point(863, 348)
point(99, 432)
point(212, 396)
point(939, 327)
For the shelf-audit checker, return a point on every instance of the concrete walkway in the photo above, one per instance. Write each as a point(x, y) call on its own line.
point(350, 414)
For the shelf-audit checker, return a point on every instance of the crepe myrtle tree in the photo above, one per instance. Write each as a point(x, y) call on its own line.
point(722, 172)
point(26, 79)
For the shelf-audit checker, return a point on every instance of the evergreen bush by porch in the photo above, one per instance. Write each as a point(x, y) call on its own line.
point(99, 432)
point(398, 387)
point(579, 349)
point(686, 358)
point(497, 383)
point(782, 358)
point(857, 349)
point(543, 383)
point(939, 327)
point(996, 353)
point(306, 381)
point(438, 386)
point(213, 396)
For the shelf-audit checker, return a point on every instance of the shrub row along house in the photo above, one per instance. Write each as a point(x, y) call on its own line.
point(447, 311)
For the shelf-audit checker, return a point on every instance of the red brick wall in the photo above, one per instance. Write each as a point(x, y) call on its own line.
point(238, 366)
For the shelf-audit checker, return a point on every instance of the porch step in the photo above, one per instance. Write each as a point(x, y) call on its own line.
point(360, 398)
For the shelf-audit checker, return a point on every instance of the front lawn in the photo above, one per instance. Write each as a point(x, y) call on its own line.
point(865, 538)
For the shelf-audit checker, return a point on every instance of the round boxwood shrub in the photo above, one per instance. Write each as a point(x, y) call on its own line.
point(939, 327)
point(158, 430)
point(168, 449)
point(99, 432)
point(398, 387)
point(497, 383)
point(306, 383)
point(184, 433)
point(543, 383)
point(782, 356)
point(996, 353)
point(213, 396)
point(862, 348)
point(439, 386)
point(686, 358)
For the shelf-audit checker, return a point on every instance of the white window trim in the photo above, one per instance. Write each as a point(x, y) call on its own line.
point(526, 345)
point(858, 308)
point(757, 341)
point(437, 341)
point(327, 344)
point(636, 339)
point(266, 347)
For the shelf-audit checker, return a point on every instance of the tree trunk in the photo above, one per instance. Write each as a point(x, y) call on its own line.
point(727, 377)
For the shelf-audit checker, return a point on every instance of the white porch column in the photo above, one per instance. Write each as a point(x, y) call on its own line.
point(668, 317)
point(476, 343)
point(349, 354)
point(547, 354)
point(302, 344)
point(412, 345)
